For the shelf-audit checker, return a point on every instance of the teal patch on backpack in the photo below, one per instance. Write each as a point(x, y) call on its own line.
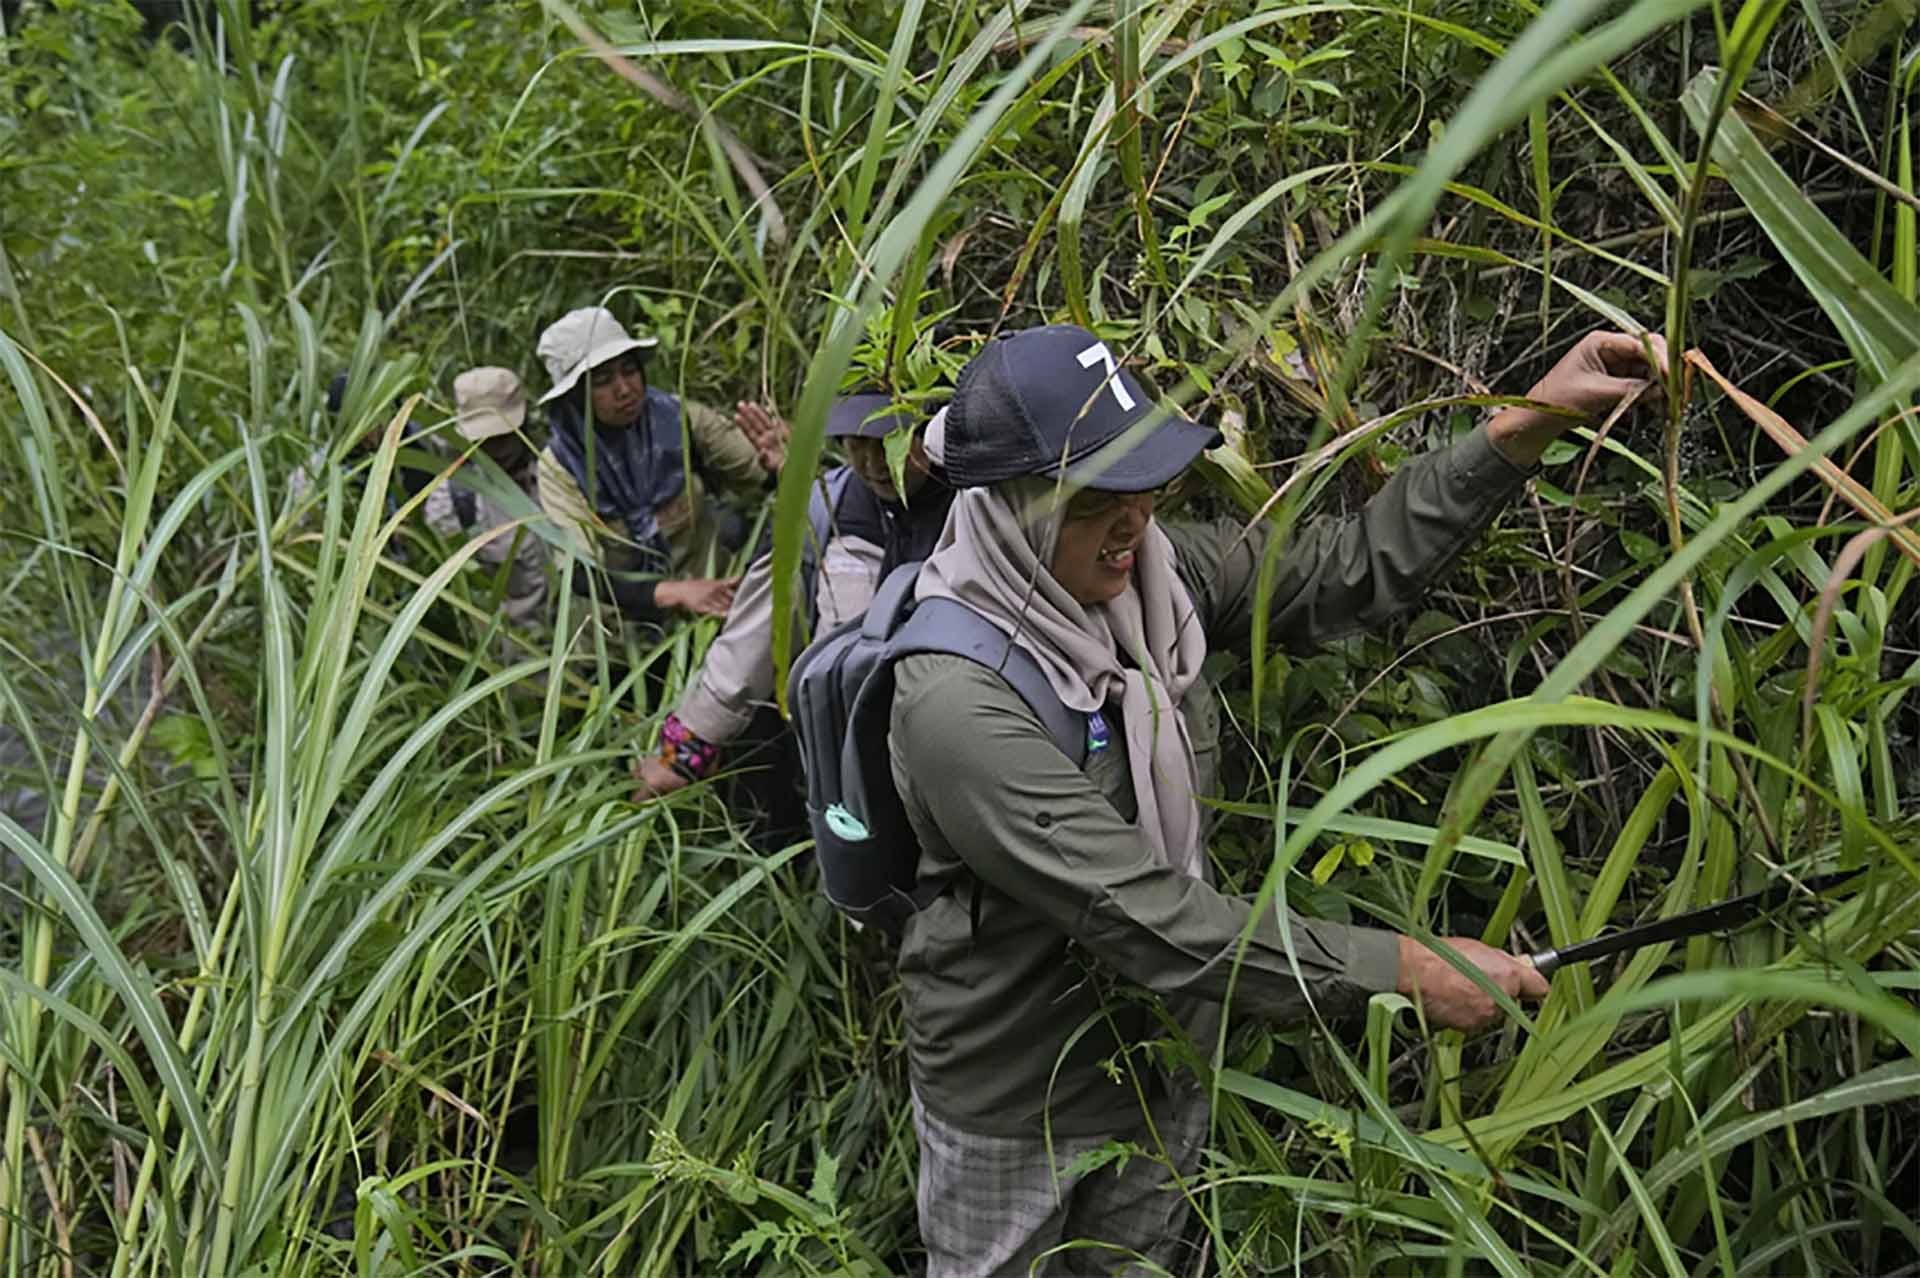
point(845, 824)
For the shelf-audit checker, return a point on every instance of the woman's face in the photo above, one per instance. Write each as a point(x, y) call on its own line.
point(617, 389)
point(509, 451)
point(1100, 535)
point(868, 457)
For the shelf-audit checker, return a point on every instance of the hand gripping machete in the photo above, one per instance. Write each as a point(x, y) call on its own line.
point(1711, 918)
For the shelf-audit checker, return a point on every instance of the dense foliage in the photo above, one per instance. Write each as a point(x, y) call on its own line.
point(332, 941)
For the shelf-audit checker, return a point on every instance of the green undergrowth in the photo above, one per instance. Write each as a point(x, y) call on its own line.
point(333, 942)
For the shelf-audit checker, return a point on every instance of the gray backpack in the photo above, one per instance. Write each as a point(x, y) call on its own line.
point(841, 694)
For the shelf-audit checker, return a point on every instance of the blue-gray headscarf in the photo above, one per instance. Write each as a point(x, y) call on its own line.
point(635, 471)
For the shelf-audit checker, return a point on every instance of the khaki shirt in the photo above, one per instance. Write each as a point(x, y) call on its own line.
point(736, 678)
point(524, 598)
point(1075, 915)
point(689, 522)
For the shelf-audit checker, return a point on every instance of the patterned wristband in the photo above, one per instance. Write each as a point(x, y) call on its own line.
point(684, 752)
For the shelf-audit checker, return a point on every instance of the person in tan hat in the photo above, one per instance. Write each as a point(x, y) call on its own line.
point(628, 487)
point(490, 407)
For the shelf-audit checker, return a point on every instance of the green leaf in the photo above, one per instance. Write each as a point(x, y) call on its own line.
point(1649, 1211)
point(136, 992)
point(899, 444)
point(1329, 862)
point(1643, 549)
point(825, 1189)
point(187, 740)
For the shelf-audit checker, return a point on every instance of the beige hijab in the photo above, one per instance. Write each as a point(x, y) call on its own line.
point(992, 558)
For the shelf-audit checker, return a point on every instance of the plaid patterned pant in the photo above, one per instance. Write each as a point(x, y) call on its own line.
point(993, 1206)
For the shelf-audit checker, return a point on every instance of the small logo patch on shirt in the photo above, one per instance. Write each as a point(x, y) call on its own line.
point(1098, 735)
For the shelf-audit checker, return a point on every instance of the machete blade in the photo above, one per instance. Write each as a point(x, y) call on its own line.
point(1711, 918)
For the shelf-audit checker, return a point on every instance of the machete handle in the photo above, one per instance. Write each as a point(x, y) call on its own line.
point(1546, 962)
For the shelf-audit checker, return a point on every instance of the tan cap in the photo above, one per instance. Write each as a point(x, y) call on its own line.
point(487, 402)
point(583, 339)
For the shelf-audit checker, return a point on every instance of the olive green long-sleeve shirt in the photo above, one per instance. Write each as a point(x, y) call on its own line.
point(1019, 1014)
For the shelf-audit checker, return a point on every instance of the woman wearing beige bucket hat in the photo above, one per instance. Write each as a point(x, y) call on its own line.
point(628, 486)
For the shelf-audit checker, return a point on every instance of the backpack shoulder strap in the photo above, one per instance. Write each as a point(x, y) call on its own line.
point(946, 625)
point(823, 501)
point(891, 606)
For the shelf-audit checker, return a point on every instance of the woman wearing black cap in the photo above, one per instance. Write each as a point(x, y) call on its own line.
point(867, 526)
point(1061, 889)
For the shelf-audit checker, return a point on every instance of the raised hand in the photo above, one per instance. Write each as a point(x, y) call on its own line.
point(1448, 997)
point(1592, 378)
point(766, 430)
point(1601, 370)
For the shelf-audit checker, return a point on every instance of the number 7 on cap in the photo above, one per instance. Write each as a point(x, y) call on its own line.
point(1099, 354)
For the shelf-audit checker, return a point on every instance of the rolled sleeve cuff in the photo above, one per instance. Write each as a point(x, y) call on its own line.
point(1373, 961)
point(1478, 461)
point(636, 599)
point(710, 718)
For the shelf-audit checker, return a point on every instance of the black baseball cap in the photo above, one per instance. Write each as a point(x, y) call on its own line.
point(1054, 401)
point(867, 414)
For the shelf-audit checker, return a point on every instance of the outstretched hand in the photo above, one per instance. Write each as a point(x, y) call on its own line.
point(1452, 1000)
point(766, 430)
point(702, 597)
point(653, 779)
point(1592, 379)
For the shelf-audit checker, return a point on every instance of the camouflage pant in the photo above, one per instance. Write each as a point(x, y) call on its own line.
point(993, 1206)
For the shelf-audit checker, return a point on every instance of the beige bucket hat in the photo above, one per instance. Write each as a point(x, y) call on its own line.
point(487, 402)
point(583, 339)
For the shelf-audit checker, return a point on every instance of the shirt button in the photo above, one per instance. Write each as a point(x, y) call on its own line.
point(1045, 819)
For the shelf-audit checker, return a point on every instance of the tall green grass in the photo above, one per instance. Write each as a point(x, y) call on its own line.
point(341, 949)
